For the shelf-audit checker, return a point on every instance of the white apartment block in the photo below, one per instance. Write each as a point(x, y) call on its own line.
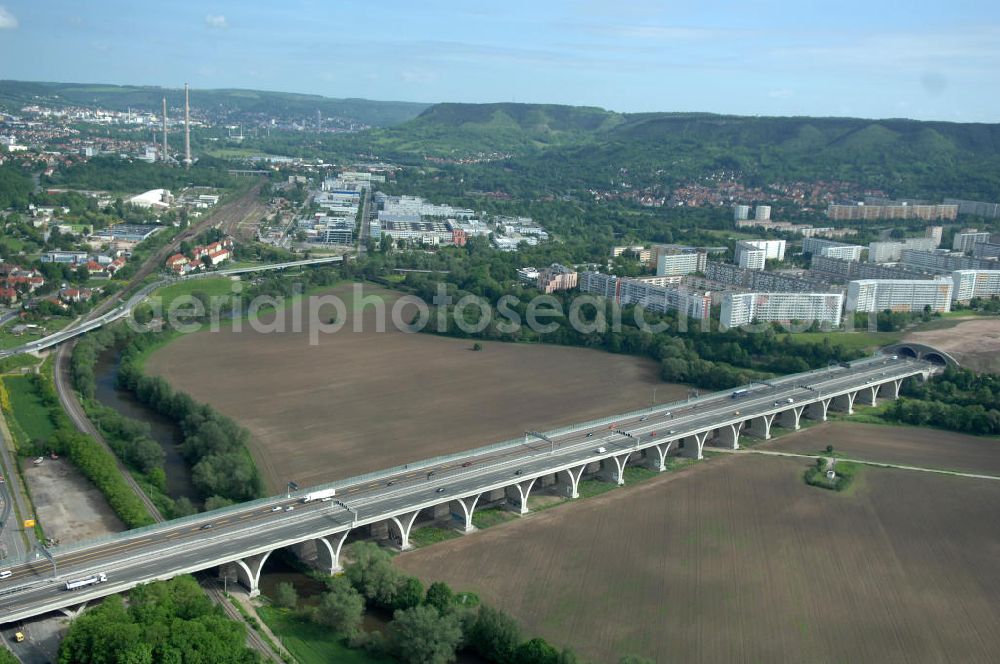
point(967, 239)
point(891, 252)
point(743, 308)
point(774, 250)
point(671, 264)
point(741, 212)
point(975, 283)
point(749, 258)
point(660, 299)
point(905, 295)
point(830, 249)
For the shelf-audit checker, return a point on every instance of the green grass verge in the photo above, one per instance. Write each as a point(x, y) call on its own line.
point(492, 516)
point(589, 488)
point(846, 472)
point(31, 417)
point(211, 286)
point(310, 643)
point(859, 340)
point(427, 535)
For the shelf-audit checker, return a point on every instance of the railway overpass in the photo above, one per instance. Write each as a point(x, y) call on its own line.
point(126, 308)
point(241, 537)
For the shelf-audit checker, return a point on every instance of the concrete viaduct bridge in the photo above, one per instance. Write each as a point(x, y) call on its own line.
point(389, 504)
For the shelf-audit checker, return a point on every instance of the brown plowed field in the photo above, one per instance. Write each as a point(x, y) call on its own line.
point(737, 560)
point(359, 402)
point(911, 446)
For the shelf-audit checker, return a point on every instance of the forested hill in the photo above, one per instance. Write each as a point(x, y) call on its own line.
point(15, 94)
point(907, 157)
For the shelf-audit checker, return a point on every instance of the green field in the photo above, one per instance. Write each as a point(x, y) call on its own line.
point(31, 416)
point(312, 644)
point(211, 286)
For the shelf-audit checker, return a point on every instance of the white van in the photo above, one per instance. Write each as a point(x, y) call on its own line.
point(600, 450)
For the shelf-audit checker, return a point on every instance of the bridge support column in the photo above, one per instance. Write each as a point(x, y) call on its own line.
point(519, 501)
point(694, 445)
point(328, 552)
point(618, 472)
point(73, 611)
point(790, 418)
point(818, 410)
point(760, 426)
point(890, 389)
point(404, 523)
point(248, 571)
point(729, 436)
point(571, 483)
point(870, 393)
point(468, 507)
point(656, 456)
point(844, 402)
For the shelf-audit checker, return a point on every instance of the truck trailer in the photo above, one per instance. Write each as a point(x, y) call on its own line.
point(89, 581)
point(323, 494)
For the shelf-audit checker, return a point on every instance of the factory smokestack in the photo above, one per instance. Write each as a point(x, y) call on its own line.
point(165, 153)
point(187, 129)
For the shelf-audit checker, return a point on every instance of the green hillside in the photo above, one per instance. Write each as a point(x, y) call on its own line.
point(574, 146)
point(15, 94)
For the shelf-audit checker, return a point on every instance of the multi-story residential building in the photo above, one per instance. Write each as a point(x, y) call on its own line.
point(753, 254)
point(845, 270)
point(743, 308)
point(762, 212)
point(676, 262)
point(645, 255)
point(660, 299)
point(556, 277)
point(968, 238)
point(890, 252)
point(935, 233)
point(975, 283)
point(944, 262)
point(757, 280)
point(986, 250)
point(906, 295)
point(978, 208)
point(863, 212)
point(819, 247)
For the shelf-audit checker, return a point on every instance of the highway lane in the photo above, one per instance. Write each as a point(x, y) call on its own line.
point(179, 545)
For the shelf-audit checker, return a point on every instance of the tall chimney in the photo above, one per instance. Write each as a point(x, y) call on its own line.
point(187, 129)
point(165, 153)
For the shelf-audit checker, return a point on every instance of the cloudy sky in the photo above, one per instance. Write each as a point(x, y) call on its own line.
point(874, 58)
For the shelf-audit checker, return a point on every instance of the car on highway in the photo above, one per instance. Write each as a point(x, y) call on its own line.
point(600, 450)
point(440, 489)
point(390, 482)
point(207, 526)
point(736, 412)
point(466, 464)
point(589, 434)
point(5, 573)
point(326, 500)
point(276, 508)
point(289, 508)
point(518, 471)
point(643, 418)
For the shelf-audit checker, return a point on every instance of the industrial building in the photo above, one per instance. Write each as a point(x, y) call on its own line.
point(975, 283)
point(133, 233)
point(819, 247)
point(906, 295)
point(743, 308)
point(656, 298)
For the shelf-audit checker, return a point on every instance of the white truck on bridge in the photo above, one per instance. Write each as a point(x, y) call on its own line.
point(89, 581)
point(323, 494)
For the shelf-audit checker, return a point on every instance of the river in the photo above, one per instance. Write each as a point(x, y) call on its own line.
point(162, 429)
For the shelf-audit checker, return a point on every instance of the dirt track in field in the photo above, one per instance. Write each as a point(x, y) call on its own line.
point(912, 446)
point(359, 402)
point(737, 559)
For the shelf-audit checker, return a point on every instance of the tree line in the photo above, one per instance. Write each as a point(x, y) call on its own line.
point(957, 399)
point(429, 625)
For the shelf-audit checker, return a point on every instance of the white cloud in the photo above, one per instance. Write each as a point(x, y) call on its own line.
point(7, 20)
point(217, 22)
